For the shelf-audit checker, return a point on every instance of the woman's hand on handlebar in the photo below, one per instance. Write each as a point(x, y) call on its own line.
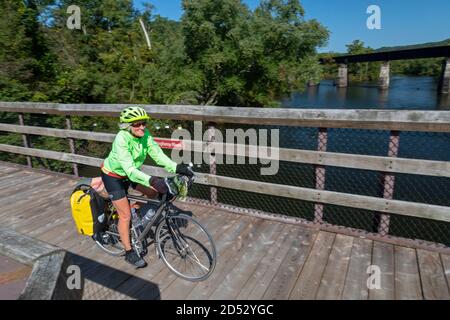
point(185, 170)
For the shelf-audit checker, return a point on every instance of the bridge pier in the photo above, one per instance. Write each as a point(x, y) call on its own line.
point(384, 79)
point(444, 84)
point(342, 78)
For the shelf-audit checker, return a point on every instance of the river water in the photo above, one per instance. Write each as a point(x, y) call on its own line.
point(405, 93)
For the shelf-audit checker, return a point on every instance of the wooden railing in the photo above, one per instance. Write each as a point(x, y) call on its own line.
point(394, 121)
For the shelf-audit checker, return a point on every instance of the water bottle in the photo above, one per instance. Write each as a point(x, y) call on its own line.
point(148, 217)
point(135, 218)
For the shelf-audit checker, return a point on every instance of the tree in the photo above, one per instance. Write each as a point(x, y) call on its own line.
point(250, 58)
point(363, 70)
point(26, 64)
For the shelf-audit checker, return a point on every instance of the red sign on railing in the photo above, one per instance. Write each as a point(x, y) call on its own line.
point(169, 143)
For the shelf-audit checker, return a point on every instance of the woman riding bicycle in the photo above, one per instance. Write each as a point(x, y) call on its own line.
point(121, 169)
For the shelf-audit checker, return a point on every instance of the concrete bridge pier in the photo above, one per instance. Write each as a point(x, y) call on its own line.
point(342, 78)
point(384, 79)
point(444, 84)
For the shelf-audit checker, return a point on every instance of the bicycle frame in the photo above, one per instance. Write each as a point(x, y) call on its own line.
point(156, 217)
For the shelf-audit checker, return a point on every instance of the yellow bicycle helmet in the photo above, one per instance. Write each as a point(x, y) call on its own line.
point(132, 114)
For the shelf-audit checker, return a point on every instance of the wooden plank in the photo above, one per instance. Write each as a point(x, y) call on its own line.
point(236, 279)
point(29, 212)
point(407, 278)
point(180, 289)
point(355, 287)
point(284, 280)
point(434, 284)
point(22, 185)
point(32, 210)
point(54, 155)
point(234, 241)
point(73, 158)
point(383, 257)
point(51, 218)
point(22, 247)
point(405, 208)
point(265, 271)
point(16, 177)
point(308, 282)
point(24, 213)
point(25, 190)
point(58, 133)
point(364, 162)
point(230, 262)
point(4, 170)
point(333, 280)
point(401, 120)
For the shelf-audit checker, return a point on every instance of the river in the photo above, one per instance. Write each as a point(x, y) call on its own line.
point(405, 93)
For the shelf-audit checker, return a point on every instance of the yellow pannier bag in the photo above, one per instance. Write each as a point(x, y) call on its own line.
point(87, 209)
point(80, 202)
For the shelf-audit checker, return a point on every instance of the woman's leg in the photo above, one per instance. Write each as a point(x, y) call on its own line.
point(123, 208)
point(117, 189)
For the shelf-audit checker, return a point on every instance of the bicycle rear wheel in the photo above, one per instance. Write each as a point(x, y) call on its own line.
point(186, 247)
point(111, 239)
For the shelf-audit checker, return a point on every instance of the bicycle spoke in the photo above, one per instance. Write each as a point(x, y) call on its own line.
point(186, 248)
point(198, 262)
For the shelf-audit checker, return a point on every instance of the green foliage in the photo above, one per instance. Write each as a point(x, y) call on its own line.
point(250, 58)
point(220, 53)
point(365, 70)
point(418, 67)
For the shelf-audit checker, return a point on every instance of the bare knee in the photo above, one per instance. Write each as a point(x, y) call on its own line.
point(123, 208)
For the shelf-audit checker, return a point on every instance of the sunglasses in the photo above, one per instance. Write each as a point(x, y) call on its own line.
point(138, 124)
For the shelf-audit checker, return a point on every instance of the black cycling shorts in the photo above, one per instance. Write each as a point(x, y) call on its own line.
point(117, 188)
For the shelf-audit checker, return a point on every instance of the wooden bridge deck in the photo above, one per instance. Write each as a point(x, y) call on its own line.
point(257, 259)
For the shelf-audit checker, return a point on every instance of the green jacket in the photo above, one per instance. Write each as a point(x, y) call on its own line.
point(128, 153)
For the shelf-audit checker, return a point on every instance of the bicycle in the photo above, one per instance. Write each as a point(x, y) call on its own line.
point(175, 234)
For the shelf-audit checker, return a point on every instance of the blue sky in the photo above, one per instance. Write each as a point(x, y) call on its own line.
point(403, 22)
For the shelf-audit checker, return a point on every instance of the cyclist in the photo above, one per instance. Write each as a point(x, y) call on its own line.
point(121, 169)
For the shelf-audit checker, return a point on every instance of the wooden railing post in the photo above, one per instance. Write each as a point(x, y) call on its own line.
point(320, 174)
point(212, 161)
point(389, 182)
point(25, 140)
point(72, 145)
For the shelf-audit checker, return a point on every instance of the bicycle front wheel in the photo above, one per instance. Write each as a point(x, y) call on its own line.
point(186, 247)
